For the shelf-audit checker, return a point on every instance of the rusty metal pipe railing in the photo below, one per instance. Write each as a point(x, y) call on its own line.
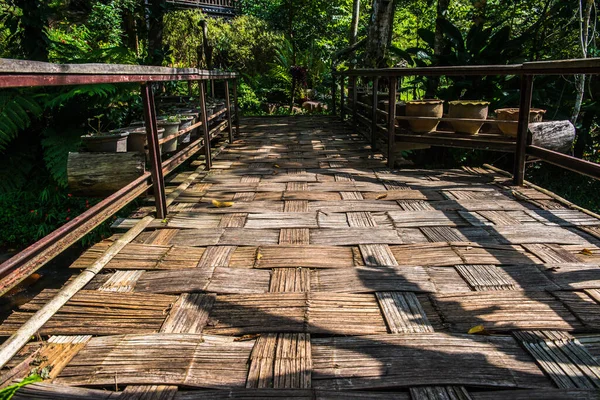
point(526, 71)
point(19, 73)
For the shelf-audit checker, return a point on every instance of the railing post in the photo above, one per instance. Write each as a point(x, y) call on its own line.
point(333, 94)
point(354, 105)
point(342, 96)
point(158, 181)
point(228, 105)
point(374, 114)
point(392, 123)
point(237, 108)
point(523, 129)
point(207, 155)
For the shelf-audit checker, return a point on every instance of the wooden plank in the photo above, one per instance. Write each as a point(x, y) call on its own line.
point(323, 313)
point(500, 311)
point(304, 256)
point(96, 313)
point(378, 362)
point(403, 312)
point(290, 280)
point(563, 358)
point(191, 360)
point(189, 314)
point(281, 361)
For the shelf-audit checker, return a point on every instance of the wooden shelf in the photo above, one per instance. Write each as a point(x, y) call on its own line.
point(448, 119)
point(484, 141)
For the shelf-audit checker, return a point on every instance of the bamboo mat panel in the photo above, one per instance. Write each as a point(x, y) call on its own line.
point(304, 256)
point(326, 313)
point(192, 360)
point(380, 361)
point(96, 313)
point(372, 279)
point(281, 361)
point(507, 310)
point(142, 256)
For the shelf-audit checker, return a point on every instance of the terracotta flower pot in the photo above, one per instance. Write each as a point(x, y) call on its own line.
point(424, 108)
point(468, 109)
point(512, 114)
point(110, 142)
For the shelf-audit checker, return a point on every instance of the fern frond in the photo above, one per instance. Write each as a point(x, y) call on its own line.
point(57, 146)
point(100, 90)
point(16, 107)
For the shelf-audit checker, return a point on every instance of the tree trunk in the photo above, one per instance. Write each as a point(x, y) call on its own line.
point(355, 19)
point(585, 12)
point(379, 35)
point(155, 32)
point(34, 22)
point(438, 45)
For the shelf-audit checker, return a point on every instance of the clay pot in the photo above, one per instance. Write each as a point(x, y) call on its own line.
point(110, 142)
point(468, 109)
point(186, 122)
point(424, 108)
point(138, 140)
point(171, 129)
point(512, 114)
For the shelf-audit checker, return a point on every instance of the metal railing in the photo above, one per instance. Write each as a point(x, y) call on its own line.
point(18, 73)
point(522, 146)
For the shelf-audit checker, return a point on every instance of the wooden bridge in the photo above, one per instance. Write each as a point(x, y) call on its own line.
point(302, 266)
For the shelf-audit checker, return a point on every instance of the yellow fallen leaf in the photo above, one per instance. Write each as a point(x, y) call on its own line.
point(586, 252)
point(258, 256)
point(476, 330)
point(381, 196)
point(222, 204)
point(276, 166)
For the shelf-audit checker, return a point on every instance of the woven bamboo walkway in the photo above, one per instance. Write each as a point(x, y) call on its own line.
point(332, 277)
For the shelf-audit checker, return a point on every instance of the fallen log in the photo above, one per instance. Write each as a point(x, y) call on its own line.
point(553, 135)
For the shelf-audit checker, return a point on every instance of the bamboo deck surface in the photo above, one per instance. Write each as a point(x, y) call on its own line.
point(331, 277)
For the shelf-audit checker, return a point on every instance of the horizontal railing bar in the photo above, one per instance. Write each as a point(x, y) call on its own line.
point(38, 80)
point(23, 264)
point(449, 119)
point(576, 66)
point(571, 163)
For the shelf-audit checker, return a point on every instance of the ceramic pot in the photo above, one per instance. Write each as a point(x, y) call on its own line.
point(186, 122)
point(171, 129)
point(138, 140)
point(424, 108)
point(512, 114)
point(468, 109)
point(110, 142)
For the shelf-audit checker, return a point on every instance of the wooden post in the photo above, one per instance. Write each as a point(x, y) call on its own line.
point(354, 106)
point(392, 123)
point(342, 96)
point(374, 101)
point(207, 155)
point(333, 94)
point(158, 180)
point(237, 108)
point(522, 129)
point(228, 105)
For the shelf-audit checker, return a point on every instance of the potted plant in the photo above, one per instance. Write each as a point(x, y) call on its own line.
point(98, 140)
point(186, 122)
point(424, 108)
point(195, 115)
point(472, 109)
point(512, 114)
point(171, 126)
point(138, 139)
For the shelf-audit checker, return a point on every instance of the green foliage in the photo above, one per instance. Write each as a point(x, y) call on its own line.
point(57, 146)
point(16, 108)
point(183, 37)
point(247, 99)
point(8, 392)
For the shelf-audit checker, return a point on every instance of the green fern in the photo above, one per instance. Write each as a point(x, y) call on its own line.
point(99, 90)
point(16, 110)
point(57, 146)
point(15, 171)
